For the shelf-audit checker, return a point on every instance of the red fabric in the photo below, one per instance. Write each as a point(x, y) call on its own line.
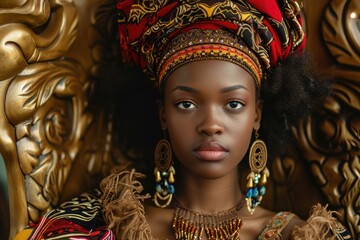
point(272, 18)
point(269, 8)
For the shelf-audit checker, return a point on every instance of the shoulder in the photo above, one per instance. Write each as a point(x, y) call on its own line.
point(320, 225)
point(265, 224)
point(160, 221)
point(280, 226)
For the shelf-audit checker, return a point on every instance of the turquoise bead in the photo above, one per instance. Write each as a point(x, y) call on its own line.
point(158, 188)
point(249, 193)
point(171, 189)
point(256, 192)
point(262, 190)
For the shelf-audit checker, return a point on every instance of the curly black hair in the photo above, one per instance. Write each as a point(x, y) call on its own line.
point(291, 92)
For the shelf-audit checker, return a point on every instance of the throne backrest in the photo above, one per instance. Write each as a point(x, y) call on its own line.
point(56, 144)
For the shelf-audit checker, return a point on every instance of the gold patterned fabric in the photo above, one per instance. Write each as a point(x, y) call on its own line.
point(199, 44)
point(269, 30)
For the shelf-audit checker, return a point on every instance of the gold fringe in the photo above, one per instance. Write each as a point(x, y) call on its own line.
point(320, 225)
point(123, 208)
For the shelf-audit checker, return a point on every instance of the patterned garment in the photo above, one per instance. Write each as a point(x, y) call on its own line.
point(79, 218)
point(276, 225)
point(270, 29)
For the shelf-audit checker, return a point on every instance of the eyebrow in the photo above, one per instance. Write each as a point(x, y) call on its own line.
point(193, 90)
point(185, 88)
point(233, 88)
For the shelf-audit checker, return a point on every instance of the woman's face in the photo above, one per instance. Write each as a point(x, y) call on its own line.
point(210, 111)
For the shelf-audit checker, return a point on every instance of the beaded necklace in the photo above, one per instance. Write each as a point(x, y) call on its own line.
point(191, 225)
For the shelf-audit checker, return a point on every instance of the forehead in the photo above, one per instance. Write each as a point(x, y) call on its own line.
point(217, 73)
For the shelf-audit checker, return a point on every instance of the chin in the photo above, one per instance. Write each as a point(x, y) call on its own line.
point(209, 170)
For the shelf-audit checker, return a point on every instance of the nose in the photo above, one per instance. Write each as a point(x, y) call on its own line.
point(211, 122)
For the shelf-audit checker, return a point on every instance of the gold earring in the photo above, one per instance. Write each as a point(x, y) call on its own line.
point(258, 175)
point(164, 174)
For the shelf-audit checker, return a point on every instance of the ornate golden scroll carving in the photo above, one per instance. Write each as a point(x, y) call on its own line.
point(331, 137)
point(50, 51)
point(341, 31)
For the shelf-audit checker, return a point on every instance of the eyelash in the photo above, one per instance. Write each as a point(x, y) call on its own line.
point(239, 106)
point(184, 102)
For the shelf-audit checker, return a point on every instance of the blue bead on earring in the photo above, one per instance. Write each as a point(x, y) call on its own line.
point(258, 176)
point(164, 174)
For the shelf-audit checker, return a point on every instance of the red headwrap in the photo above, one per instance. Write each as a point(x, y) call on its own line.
point(269, 30)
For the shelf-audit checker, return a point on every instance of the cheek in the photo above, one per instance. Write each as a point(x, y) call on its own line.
point(241, 133)
point(180, 131)
point(180, 146)
point(243, 142)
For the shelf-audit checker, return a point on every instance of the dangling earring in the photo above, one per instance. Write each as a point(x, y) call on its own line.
point(258, 175)
point(164, 174)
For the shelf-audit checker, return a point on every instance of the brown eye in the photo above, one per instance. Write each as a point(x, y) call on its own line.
point(185, 105)
point(234, 105)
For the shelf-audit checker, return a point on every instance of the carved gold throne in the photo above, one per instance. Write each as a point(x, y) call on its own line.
point(57, 136)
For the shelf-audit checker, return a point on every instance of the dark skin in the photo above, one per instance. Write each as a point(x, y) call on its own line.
point(210, 111)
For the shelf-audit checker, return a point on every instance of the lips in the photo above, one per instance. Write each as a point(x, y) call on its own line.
point(210, 151)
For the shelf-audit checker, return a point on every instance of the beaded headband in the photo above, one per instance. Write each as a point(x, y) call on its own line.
point(158, 35)
point(197, 44)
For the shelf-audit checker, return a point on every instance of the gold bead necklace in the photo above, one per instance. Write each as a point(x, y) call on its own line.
point(191, 225)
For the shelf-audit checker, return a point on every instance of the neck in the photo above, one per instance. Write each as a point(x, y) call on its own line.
point(209, 195)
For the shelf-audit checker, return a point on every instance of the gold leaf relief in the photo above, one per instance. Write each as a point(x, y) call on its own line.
point(331, 143)
point(59, 35)
point(48, 144)
point(29, 152)
point(352, 24)
point(30, 12)
point(34, 195)
point(39, 141)
point(336, 129)
point(55, 130)
point(351, 200)
point(35, 85)
point(347, 94)
point(20, 45)
point(341, 31)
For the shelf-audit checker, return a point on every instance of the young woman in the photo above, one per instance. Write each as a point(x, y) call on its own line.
point(227, 73)
point(218, 66)
point(210, 111)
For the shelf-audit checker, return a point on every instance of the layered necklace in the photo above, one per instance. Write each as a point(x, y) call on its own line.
point(191, 225)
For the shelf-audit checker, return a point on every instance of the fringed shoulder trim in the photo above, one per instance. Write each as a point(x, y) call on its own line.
point(123, 207)
point(320, 225)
